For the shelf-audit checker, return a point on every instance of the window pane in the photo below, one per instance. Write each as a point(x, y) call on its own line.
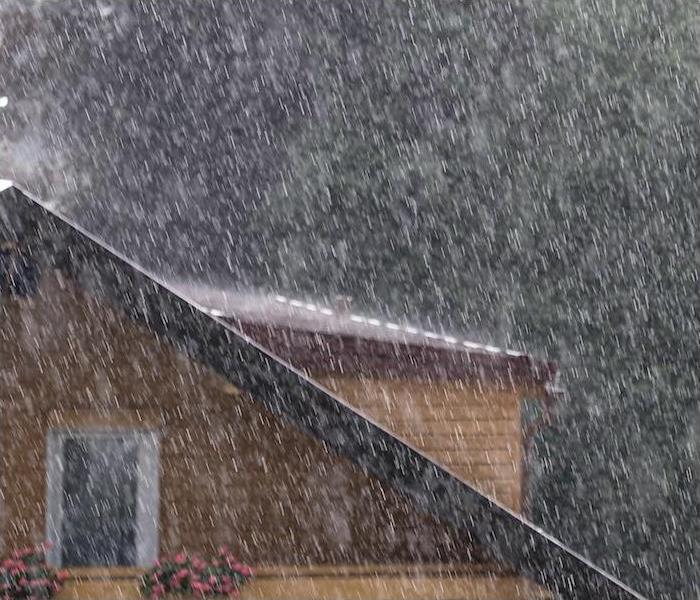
point(99, 495)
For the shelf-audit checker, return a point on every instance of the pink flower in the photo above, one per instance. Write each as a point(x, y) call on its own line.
point(198, 563)
point(182, 573)
point(181, 558)
point(200, 587)
point(245, 570)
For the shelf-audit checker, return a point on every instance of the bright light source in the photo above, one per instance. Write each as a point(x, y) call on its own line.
point(4, 101)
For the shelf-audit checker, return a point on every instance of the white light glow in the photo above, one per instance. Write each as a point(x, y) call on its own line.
point(376, 322)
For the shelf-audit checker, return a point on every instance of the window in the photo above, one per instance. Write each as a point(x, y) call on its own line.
point(102, 497)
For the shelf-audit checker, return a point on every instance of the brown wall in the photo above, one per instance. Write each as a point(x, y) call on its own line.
point(231, 471)
point(474, 431)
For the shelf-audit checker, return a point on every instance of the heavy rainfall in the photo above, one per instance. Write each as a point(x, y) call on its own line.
point(397, 254)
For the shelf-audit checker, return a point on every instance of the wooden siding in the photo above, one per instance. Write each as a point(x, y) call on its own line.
point(474, 431)
point(231, 471)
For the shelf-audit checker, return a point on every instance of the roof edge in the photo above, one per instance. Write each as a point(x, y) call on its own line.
point(509, 538)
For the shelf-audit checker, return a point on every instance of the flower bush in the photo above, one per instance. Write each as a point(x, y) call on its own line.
point(25, 574)
point(188, 574)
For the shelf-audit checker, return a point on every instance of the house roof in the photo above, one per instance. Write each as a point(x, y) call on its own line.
point(284, 311)
point(318, 338)
point(53, 240)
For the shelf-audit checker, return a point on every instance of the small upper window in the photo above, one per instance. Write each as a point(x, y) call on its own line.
point(103, 498)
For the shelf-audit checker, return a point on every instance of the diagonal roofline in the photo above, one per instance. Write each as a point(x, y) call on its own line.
point(313, 336)
point(507, 537)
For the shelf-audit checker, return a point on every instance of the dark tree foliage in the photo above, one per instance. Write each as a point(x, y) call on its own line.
point(524, 172)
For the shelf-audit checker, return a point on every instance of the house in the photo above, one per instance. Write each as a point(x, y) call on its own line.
point(457, 401)
point(135, 421)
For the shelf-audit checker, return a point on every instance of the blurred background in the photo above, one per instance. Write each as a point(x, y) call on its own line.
point(519, 173)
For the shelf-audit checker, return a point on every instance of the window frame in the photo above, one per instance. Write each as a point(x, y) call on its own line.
point(147, 491)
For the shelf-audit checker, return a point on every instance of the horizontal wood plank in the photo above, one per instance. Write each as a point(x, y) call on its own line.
point(341, 582)
point(508, 429)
